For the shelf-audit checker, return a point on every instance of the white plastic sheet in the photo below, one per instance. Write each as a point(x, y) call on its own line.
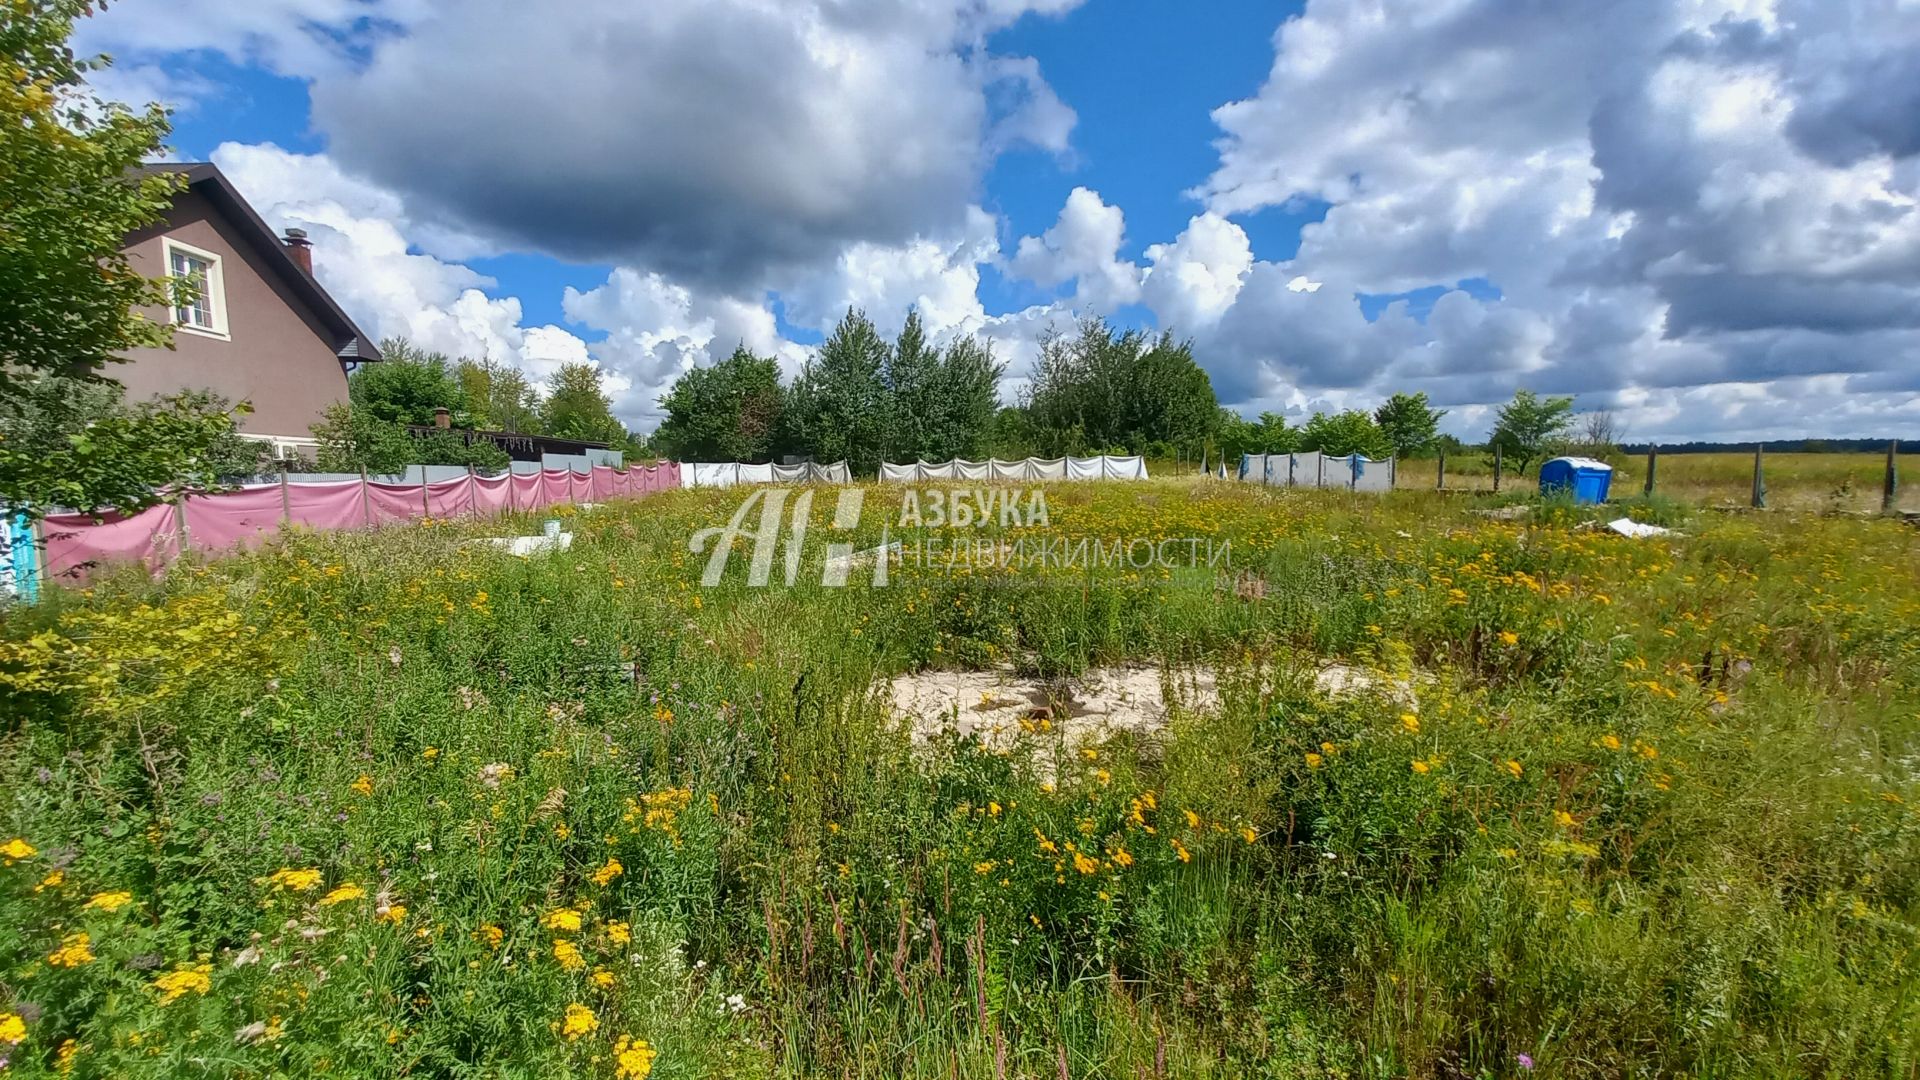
point(1104, 467)
point(729, 473)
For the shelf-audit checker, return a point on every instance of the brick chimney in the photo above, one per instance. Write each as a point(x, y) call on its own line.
point(442, 419)
point(300, 248)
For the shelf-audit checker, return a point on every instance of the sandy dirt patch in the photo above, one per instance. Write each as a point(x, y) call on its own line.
point(1000, 706)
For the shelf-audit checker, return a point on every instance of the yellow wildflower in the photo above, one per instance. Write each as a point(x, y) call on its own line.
point(17, 849)
point(619, 933)
point(568, 954)
point(579, 1020)
point(342, 894)
point(1512, 766)
point(607, 873)
point(563, 920)
point(1410, 722)
point(1314, 760)
point(632, 1059)
point(1122, 857)
point(1181, 850)
point(395, 914)
point(76, 950)
point(51, 881)
point(1611, 742)
point(984, 868)
point(110, 901)
point(294, 880)
point(601, 978)
point(1563, 819)
point(1193, 819)
point(13, 1029)
point(1422, 767)
point(430, 753)
point(362, 786)
point(183, 980)
point(1247, 834)
point(1508, 637)
point(1084, 864)
point(490, 935)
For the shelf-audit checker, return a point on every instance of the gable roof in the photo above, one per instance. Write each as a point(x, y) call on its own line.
point(206, 179)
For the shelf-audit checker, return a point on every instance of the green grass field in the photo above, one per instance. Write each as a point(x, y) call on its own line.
point(396, 804)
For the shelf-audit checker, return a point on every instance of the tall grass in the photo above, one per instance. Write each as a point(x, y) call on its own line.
point(1609, 807)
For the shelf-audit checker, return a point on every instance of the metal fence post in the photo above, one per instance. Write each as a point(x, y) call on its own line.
point(1496, 467)
point(1759, 477)
point(1653, 464)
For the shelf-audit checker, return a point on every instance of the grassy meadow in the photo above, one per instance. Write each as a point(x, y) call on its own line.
point(396, 804)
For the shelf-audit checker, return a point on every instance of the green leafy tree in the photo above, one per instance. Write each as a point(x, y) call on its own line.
point(406, 386)
point(577, 407)
point(728, 412)
point(1340, 434)
point(352, 439)
point(916, 413)
point(966, 400)
point(75, 444)
point(1408, 422)
point(71, 304)
point(497, 396)
point(1008, 434)
point(1527, 427)
point(1098, 389)
point(839, 406)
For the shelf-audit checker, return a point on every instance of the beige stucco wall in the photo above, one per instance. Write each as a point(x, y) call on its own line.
point(278, 356)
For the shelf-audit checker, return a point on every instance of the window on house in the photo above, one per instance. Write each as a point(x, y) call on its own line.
point(205, 309)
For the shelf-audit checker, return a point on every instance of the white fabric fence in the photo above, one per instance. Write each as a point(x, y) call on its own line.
point(730, 473)
point(1103, 467)
point(1355, 472)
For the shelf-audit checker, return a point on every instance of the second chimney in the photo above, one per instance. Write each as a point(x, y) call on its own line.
point(300, 248)
point(442, 419)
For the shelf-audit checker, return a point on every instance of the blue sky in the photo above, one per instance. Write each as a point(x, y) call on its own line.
point(1703, 215)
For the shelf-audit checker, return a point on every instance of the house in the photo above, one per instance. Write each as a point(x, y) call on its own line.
point(262, 330)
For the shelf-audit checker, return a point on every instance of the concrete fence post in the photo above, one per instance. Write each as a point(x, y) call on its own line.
point(286, 502)
point(1440, 472)
point(1496, 467)
point(426, 501)
point(366, 504)
point(1653, 464)
point(1759, 477)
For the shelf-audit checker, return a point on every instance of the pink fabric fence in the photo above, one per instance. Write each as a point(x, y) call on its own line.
point(155, 537)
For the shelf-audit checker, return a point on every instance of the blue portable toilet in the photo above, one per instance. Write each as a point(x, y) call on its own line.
point(1586, 478)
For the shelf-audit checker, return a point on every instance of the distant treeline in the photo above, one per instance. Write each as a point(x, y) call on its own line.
point(1782, 446)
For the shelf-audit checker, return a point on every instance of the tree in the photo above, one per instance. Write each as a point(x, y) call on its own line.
point(352, 439)
point(838, 408)
point(577, 408)
point(1340, 434)
point(406, 386)
point(916, 412)
point(728, 412)
point(497, 396)
point(1601, 431)
point(1408, 423)
point(71, 190)
point(966, 401)
point(1099, 390)
point(1527, 426)
point(74, 443)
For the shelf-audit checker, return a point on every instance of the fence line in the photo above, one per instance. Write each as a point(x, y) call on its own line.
point(1354, 472)
point(73, 543)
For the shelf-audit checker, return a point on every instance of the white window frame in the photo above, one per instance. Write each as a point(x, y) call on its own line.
point(214, 290)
